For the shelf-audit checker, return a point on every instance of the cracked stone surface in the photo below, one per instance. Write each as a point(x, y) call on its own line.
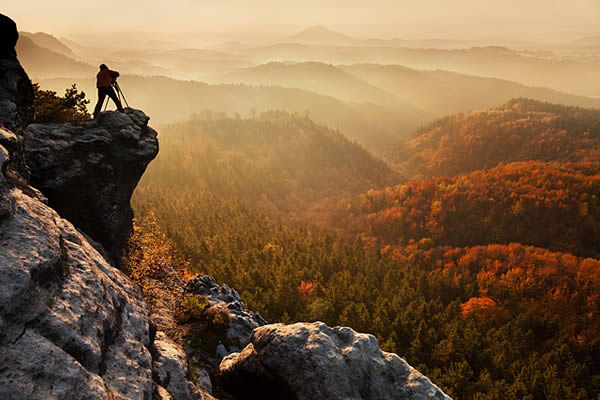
point(71, 325)
point(243, 321)
point(307, 361)
point(171, 371)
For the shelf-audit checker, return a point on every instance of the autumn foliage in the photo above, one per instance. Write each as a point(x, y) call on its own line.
point(512, 279)
point(521, 130)
point(487, 281)
point(549, 205)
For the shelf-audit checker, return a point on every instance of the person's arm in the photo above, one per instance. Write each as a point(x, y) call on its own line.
point(114, 74)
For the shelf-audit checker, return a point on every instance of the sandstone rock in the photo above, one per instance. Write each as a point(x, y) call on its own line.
point(71, 325)
point(203, 379)
point(243, 321)
point(9, 35)
point(313, 361)
point(16, 90)
point(162, 394)
point(88, 172)
point(171, 370)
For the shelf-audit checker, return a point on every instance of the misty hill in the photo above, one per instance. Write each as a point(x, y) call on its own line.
point(397, 87)
point(49, 42)
point(588, 41)
point(286, 162)
point(169, 100)
point(442, 92)
point(316, 77)
point(186, 63)
point(569, 75)
point(43, 63)
point(152, 58)
point(320, 35)
point(521, 130)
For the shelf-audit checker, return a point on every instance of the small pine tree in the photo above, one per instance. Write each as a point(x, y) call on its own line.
point(51, 108)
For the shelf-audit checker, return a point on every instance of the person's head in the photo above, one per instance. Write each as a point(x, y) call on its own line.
point(103, 66)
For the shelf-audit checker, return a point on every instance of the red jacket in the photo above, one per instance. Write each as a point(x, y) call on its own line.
point(106, 78)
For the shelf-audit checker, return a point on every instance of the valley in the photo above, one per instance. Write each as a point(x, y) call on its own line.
point(440, 194)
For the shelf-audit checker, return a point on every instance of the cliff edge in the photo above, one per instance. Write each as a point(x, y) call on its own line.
point(88, 172)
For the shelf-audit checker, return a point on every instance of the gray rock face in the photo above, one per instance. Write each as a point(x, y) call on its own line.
point(16, 100)
point(16, 90)
point(243, 321)
point(313, 361)
point(9, 36)
point(171, 370)
point(88, 172)
point(71, 325)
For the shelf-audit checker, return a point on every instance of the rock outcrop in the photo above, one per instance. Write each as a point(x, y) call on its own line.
point(16, 101)
point(16, 90)
point(172, 372)
point(10, 35)
point(88, 172)
point(71, 325)
point(313, 361)
point(243, 321)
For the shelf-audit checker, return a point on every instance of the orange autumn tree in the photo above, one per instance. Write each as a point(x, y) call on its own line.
point(548, 205)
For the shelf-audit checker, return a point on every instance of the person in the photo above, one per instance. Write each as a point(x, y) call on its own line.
point(104, 81)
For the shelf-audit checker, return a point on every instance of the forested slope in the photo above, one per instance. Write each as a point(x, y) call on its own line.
point(479, 280)
point(283, 162)
point(520, 130)
point(550, 205)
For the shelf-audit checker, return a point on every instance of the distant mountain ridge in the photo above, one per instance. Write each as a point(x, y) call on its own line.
point(41, 62)
point(437, 92)
point(569, 75)
point(325, 79)
point(49, 42)
point(319, 34)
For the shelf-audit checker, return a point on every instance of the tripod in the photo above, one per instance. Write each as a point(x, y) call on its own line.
point(120, 95)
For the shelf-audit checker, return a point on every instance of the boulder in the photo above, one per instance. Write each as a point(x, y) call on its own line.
point(313, 361)
point(243, 321)
point(71, 325)
point(88, 172)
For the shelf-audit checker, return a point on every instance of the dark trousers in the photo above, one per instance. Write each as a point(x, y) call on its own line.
point(102, 93)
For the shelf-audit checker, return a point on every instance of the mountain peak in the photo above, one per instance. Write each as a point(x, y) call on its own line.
point(321, 34)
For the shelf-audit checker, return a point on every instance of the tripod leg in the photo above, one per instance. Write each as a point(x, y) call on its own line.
point(121, 95)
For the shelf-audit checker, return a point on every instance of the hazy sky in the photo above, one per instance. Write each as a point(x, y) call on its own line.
point(363, 18)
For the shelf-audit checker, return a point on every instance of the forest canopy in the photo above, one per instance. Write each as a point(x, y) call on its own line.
point(487, 281)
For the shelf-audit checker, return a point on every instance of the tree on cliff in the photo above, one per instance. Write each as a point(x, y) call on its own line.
point(50, 107)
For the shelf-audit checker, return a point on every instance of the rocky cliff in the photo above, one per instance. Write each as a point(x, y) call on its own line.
point(73, 326)
point(69, 321)
point(88, 172)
